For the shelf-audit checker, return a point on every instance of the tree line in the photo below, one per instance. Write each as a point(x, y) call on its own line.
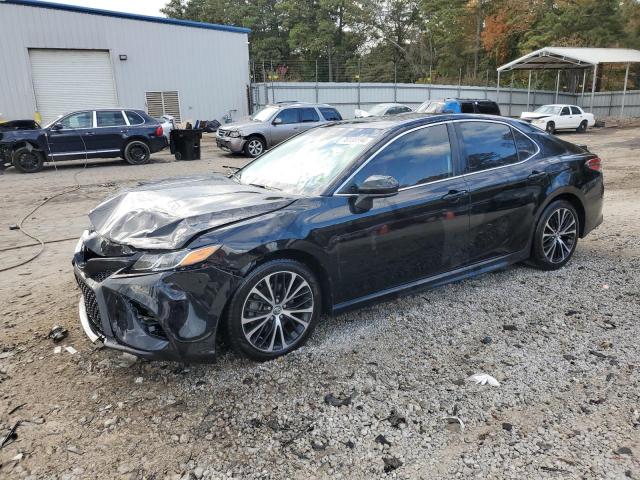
point(429, 41)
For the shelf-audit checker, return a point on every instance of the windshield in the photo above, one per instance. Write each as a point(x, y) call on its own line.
point(378, 110)
point(308, 163)
point(265, 114)
point(548, 109)
point(431, 107)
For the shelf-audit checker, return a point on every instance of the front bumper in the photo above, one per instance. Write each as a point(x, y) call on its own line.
point(231, 144)
point(161, 316)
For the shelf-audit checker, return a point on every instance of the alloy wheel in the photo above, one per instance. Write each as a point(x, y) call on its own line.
point(255, 147)
point(277, 311)
point(28, 161)
point(559, 235)
point(138, 154)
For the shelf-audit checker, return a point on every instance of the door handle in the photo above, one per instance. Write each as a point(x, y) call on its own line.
point(536, 176)
point(454, 196)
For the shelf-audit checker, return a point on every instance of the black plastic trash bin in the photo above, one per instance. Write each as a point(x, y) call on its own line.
point(185, 144)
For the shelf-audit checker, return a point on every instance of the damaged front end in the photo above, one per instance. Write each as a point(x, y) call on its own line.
point(163, 315)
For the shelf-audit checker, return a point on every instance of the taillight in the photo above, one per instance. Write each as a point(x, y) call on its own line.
point(159, 131)
point(594, 164)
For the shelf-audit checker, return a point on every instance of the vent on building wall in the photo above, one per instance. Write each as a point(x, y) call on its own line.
point(163, 103)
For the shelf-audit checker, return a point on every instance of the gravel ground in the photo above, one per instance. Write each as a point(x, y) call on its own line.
point(380, 392)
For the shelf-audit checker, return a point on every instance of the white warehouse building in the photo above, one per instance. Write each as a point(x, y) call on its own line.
point(60, 58)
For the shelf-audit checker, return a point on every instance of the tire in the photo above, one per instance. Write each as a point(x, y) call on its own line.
point(552, 249)
point(137, 152)
point(28, 160)
point(254, 146)
point(582, 127)
point(178, 156)
point(257, 327)
point(551, 128)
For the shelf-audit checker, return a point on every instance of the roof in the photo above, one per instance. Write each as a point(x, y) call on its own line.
point(556, 58)
point(415, 119)
point(128, 16)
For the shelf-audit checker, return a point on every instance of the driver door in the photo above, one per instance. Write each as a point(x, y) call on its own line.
point(285, 125)
point(65, 136)
point(420, 232)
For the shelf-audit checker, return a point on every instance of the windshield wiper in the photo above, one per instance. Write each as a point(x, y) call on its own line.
point(264, 187)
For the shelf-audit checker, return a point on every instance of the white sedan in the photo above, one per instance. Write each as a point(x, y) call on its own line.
point(559, 117)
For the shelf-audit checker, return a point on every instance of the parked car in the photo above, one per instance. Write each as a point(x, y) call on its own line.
point(168, 123)
point(382, 110)
point(272, 125)
point(336, 217)
point(130, 134)
point(559, 117)
point(459, 105)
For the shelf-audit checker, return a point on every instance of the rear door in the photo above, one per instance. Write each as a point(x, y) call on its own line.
point(309, 118)
point(577, 115)
point(566, 119)
point(506, 184)
point(109, 133)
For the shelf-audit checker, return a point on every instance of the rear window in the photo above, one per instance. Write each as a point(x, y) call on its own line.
point(134, 118)
point(466, 107)
point(309, 115)
point(575, 111)
point(488, 108)
point(487, 145)
point(330, 114)
point(109, 118)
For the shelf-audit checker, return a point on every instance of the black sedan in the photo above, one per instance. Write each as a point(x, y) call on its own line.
point(333, 218)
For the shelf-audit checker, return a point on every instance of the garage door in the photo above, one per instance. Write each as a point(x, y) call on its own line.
point(68, 80)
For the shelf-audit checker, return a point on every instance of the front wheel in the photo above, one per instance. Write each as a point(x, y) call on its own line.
point(551, 128)
point(254, 147)
point(274, 310)
point(28, 160)
point(582, 127)
point(137, 152)
point(556, 236)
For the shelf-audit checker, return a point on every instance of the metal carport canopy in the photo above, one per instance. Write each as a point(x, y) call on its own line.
point(568, 58)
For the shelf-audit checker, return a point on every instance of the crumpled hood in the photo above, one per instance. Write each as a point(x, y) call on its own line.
point(167, 214)
point(248, 124)
point(533, 115)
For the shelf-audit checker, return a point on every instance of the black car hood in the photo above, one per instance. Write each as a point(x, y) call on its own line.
point(166, 215)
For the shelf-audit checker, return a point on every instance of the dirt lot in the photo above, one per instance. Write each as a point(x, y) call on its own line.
point(563, 345)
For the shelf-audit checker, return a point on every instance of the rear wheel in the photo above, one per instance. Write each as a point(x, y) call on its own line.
point(274, 310)
point(137, 152)
point(582, 127)
point(28, 160)
point(551, 128)
point(254, 146)
point(556, 236)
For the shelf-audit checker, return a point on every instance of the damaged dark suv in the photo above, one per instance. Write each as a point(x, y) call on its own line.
point(341, 215)
point(130, 134)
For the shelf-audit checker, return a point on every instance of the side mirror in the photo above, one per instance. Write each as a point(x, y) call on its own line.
point(375, 186)
point(277, 121)
point(56, 126)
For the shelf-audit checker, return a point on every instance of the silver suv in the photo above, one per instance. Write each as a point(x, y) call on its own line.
point(272, 125)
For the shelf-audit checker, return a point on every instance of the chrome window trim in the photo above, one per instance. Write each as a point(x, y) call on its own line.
point(442, 179)
point(95, 116)
point(126, 119)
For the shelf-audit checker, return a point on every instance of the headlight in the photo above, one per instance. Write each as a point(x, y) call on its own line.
point(152, 262)
point(234, 133)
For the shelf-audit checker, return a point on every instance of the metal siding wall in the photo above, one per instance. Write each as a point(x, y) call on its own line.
point(209, 68)
point(344, 96)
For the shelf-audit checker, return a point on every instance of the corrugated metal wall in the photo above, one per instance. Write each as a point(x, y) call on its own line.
point(209, 68)
point(346, 97)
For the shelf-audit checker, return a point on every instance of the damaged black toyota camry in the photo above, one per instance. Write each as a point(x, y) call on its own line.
point(338, 216)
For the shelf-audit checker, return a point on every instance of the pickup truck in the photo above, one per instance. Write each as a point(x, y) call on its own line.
point(129, 134)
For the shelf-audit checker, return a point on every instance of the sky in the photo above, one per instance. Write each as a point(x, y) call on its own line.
point(142, 7)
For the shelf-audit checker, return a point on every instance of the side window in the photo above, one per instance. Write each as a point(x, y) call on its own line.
point(467, 107)
point(526, 148)
point(575, 111)
point(330, 114)
point(110, 118)
point(288, 115)
point(418, 157)
point(487, 145)
point(309, 115)
point(488, 108)
point(404, 109)
point(78, 120)
point(134, 118)
point(565, 111)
